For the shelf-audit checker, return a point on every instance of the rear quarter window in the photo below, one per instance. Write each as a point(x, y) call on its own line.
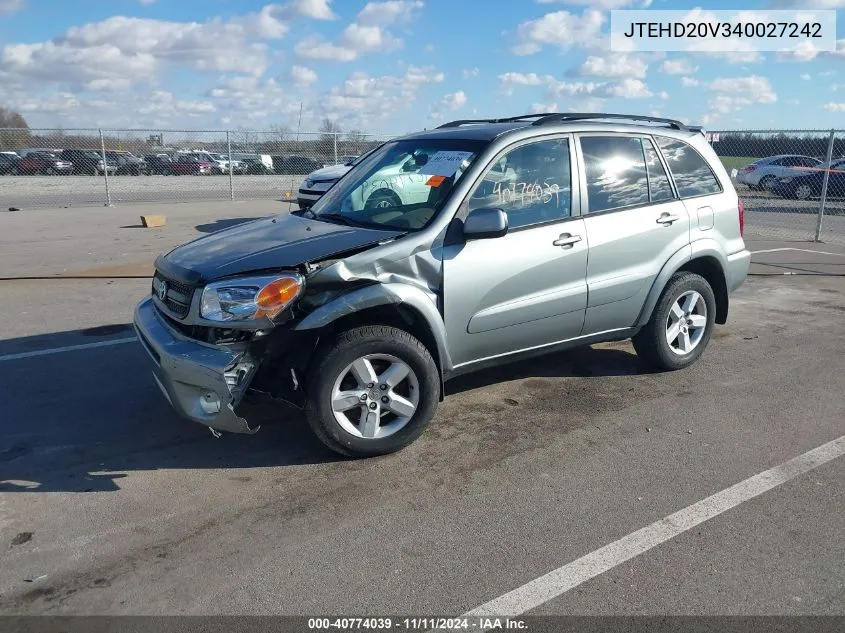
point(691, 173)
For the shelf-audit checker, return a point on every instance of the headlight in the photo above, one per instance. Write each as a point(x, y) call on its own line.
point(249, 298)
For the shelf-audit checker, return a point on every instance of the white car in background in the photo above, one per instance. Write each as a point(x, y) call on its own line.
point(764, 173)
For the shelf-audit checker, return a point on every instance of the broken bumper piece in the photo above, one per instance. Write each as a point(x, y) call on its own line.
point(204, 383)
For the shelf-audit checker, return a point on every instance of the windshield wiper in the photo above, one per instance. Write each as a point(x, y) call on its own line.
point(341, 219)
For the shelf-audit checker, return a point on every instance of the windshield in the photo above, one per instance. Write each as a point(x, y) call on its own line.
point(401, 185)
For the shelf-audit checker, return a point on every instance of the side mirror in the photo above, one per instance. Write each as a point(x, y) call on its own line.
point(485, 223)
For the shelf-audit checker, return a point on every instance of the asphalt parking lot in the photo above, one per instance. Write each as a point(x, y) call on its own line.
point(621, 482)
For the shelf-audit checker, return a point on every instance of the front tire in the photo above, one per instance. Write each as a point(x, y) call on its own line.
point(374, 392)
point(680, 326)
point(381, 200)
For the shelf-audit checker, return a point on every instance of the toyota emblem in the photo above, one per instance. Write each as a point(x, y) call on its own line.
point(161, 290)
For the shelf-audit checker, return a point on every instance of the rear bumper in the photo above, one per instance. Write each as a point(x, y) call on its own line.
point(203, 383)
point(737, 269)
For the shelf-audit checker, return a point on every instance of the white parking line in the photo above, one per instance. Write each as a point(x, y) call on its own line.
point(562, 579)
point(803, 250)
point(68, 348)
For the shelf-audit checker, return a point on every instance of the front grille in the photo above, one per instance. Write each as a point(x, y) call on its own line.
point(178, 298)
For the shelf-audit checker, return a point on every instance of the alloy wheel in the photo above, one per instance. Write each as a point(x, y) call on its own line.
point(686, 323)
point(375, 396)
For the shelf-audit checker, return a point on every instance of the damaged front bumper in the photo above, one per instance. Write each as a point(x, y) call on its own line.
point(204, 383)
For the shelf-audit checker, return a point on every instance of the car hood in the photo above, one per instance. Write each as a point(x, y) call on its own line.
point(333, 172)
point(278, 242)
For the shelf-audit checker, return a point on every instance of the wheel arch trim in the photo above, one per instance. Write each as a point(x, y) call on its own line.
point(706, 249)
point(388, 294)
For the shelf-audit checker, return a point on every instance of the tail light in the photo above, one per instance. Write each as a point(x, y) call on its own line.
point(749, 168)
point(741, 209)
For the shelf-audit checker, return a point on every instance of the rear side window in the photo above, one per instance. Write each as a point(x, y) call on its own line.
point(616, 172)
point(693, 176)
point(659, 188)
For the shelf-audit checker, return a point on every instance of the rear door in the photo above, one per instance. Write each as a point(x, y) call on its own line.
point(634, 223)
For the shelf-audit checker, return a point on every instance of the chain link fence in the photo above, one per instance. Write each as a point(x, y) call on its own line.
point(792, 182)
point(93, 167)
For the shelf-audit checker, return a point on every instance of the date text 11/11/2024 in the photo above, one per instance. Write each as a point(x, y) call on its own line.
point(485, 623)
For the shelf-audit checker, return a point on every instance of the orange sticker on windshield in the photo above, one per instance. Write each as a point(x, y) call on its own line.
point(435, 181)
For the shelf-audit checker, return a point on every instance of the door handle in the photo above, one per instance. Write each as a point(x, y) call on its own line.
point(667, 219)
point(567, 240)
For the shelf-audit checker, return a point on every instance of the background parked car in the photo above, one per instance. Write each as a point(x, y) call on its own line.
point(222, 161)
point(127, 163)
point(160, 164)
point(10, 164)
point(264, 159)
point(297, 165)
point(190, 165)
point(763, 174)
point(808, 184)
point(87, 161)
point(37, 150)
point(255, 166)
point(320, 181)
point(44, 163)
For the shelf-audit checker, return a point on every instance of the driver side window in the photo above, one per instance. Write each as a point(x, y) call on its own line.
point(531, 184)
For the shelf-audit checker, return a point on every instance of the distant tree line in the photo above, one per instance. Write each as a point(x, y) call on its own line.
point(15, 134)
point(760, 145)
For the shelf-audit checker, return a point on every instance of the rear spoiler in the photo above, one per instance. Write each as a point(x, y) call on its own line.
point(696, 128)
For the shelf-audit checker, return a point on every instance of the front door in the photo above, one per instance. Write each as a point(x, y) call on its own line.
point(527, 288)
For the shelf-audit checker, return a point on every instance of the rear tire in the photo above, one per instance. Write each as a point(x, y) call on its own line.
point(766, 183)
point(396, 375)
point(680, 325)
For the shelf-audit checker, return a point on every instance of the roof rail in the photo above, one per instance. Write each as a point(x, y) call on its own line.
point(511, 119)
point(562, 117)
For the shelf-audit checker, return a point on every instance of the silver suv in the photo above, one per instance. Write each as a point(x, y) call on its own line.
point(535, 234)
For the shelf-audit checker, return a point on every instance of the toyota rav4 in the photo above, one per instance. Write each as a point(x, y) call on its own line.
point(442, 252)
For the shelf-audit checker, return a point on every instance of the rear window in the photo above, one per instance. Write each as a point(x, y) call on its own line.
point(691, 173)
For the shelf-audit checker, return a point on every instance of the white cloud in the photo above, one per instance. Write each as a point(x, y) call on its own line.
point(10, 6)
point(119, 52)
point(598, 4)
point(454, 101)
point(681, 66)
point(314, 9)
point(626, 89)
point(736, 57)
point(753, 86)
point(366, 35)
point(735, 93)
point(689, 82)
point(386, 13)
point(560, 29)
point(663, 94)
point(302, 75)
point(469, 73)
point(834, 107)
point(612, 65)
point(522, 79)
point(808, 4)
point(807, 51)
point(542, 108)
point(805, 77)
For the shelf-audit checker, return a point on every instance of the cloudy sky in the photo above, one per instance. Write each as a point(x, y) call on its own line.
point(386, 67)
